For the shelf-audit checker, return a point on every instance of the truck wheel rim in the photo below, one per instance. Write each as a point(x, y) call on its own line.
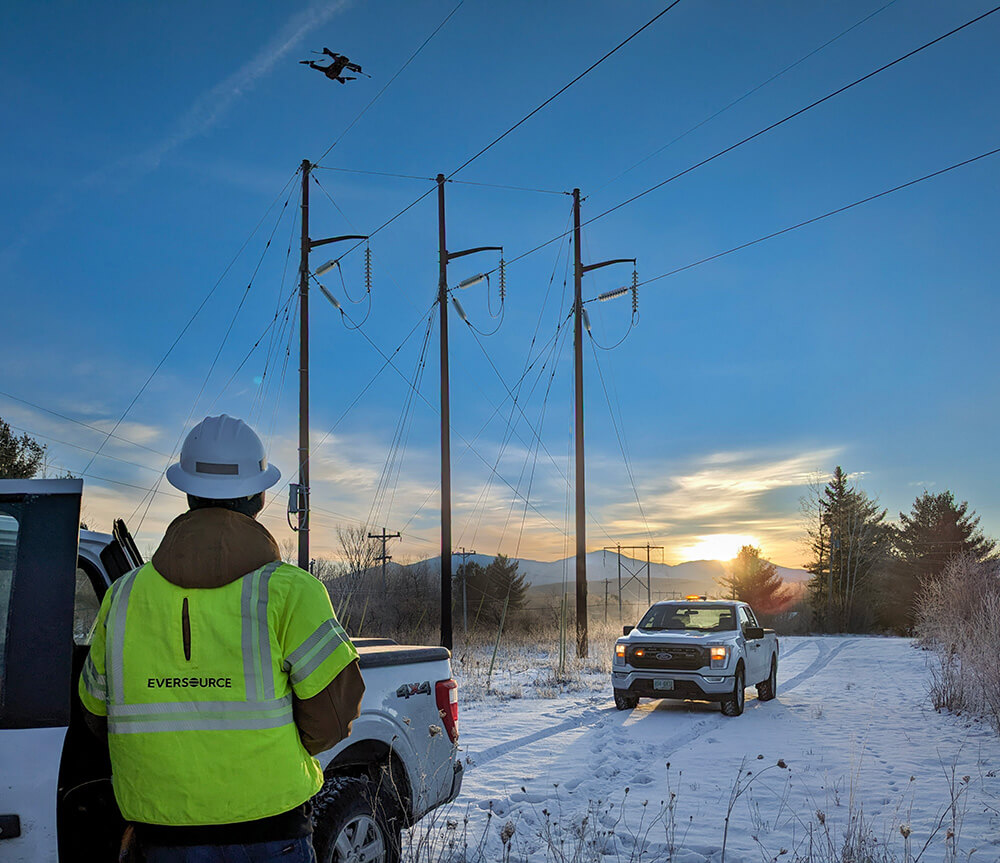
point(360, 841)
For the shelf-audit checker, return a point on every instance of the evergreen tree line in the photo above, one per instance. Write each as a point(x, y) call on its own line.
point(869, 573)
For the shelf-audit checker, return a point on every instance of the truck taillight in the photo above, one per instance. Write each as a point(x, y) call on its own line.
point(446, 692)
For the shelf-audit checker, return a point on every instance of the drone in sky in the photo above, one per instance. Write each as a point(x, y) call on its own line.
point(334, 70)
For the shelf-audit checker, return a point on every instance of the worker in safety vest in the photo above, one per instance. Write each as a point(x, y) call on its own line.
point(221, 671)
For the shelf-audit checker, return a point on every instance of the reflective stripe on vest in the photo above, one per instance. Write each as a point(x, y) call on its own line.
point(260, 709)
point(315, 650)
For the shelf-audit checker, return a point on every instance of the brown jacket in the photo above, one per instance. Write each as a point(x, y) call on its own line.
point(207, 548)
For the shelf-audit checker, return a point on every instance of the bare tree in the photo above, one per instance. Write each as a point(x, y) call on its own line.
point(289, 550)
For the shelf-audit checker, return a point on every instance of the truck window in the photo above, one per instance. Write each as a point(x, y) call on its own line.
point(85, 607)
point(8, 555)
point(698, 616)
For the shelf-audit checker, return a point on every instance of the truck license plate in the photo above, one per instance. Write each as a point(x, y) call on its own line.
point(663, 685)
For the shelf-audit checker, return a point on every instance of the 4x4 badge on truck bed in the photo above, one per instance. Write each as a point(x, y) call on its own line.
point(408, 689)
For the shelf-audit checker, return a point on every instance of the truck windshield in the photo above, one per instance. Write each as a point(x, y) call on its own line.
point(700, 617)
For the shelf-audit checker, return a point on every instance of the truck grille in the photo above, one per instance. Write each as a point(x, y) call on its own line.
point(673, 656)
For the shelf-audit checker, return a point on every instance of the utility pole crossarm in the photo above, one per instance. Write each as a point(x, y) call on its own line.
point(314, 243)
point(588, 267)
point(462, 254)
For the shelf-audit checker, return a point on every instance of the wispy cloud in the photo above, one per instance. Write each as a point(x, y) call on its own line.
point(204, 114)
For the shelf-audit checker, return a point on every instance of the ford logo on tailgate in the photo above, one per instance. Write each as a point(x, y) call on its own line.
point(664, 656)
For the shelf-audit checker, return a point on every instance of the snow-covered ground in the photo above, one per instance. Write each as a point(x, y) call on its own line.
point(850, 744)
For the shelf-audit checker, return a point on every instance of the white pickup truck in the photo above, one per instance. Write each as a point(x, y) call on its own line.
point(699, 649)
point(56, 801)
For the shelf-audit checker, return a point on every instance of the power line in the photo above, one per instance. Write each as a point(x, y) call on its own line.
point(795, 114)
point(826, 215)
point(399, 72)
point(760, 132)
point(563, 89)
point(357, 398)
point(215, 359)
point(520, 122)
point(197, 311)
point(748, 93)
point(85, 449)
point(619, 433)
point(373, 173)
point(81, 423)
point(433, 180)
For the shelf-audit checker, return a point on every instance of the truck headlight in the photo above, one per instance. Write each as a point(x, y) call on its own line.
point(719, 656)
point(619, 654)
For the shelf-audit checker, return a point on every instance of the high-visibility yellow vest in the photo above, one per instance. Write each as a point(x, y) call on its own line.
point(204, 734)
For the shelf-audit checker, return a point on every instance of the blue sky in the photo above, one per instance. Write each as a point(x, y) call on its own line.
point(144, 143)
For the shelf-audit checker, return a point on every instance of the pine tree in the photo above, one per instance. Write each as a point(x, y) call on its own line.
point(20, 457)
point(755, 581)
point(489, 588)
point(844, 589)
point(936, 530)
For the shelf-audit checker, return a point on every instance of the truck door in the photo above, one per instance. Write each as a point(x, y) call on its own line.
point(39, 523)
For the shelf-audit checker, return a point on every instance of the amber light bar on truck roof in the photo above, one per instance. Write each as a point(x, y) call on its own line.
point(696, 598)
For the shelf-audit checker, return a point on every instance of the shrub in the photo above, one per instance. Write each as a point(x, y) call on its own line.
point(958, 618)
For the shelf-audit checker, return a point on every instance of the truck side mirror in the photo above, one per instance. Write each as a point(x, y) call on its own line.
point(627, 629)
point(752, 633)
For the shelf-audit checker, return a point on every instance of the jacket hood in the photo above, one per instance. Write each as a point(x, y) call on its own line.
point(213, 547)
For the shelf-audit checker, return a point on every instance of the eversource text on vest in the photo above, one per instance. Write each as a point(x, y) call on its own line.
point(192, 682)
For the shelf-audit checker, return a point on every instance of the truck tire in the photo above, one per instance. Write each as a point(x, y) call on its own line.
point(625, 701)
point(768, 689)
point(732, 705)
point(350, 820)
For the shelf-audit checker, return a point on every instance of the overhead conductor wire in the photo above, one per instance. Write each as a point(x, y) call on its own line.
point(764, 130)
point(190, 321)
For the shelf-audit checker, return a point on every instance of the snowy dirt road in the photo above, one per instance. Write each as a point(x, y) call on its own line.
point(861, 745)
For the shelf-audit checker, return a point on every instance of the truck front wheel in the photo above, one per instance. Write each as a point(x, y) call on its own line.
point(351, 824)
point(732, 705)
point(625, 701)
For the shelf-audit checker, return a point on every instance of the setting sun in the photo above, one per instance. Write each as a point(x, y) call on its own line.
point(720, 546)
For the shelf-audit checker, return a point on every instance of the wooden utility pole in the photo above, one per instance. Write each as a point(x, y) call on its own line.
point(303, 501)
point(444, 256)
point(301, 508)
point(445, 425)
point(581, 504)
point(384, 558)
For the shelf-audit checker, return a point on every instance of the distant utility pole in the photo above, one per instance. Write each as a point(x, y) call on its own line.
point(298, 501)
point(384, 558)
point(465, 555)
point(444, 256)
point(581, 510)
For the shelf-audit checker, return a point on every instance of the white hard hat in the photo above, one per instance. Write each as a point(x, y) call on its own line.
point(222, 458)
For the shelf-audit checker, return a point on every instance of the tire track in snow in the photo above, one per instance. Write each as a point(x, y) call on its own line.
point(817, 665)
point(590, 717)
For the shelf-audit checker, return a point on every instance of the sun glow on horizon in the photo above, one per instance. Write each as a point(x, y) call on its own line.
point(719, 546)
